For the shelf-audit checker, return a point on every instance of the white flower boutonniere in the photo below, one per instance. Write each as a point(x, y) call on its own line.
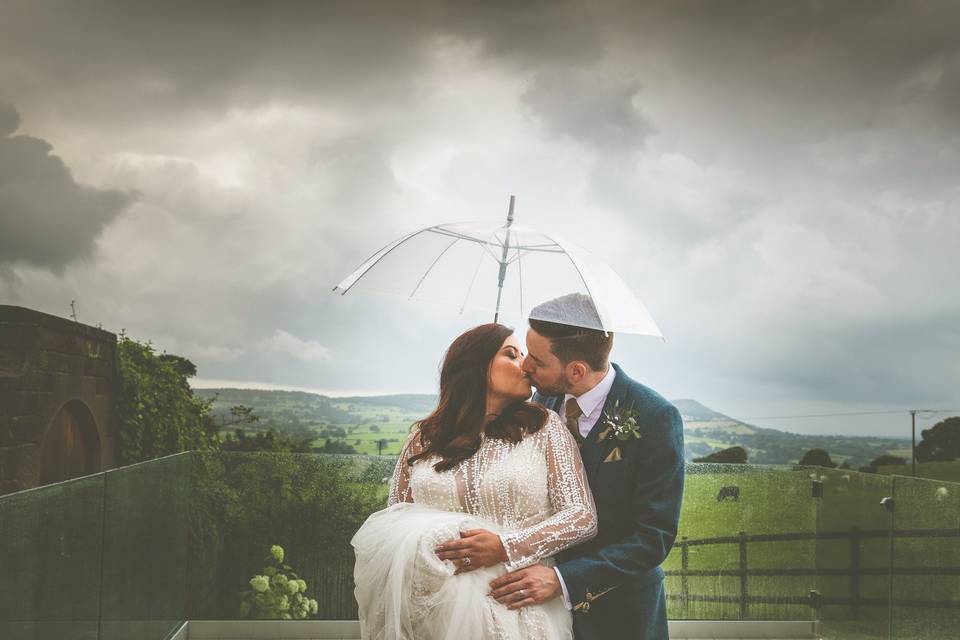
point(620, 423)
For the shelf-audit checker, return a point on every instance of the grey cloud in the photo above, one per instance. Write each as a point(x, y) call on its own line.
point(589, 108)
point(177, 61)
point(762, 169)
point(48, 219)
point(9, 119)
point(883, 362)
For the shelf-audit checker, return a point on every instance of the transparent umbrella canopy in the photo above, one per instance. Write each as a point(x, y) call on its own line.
point(496, 267)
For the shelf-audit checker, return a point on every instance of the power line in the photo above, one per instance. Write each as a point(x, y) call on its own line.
point(852, 413)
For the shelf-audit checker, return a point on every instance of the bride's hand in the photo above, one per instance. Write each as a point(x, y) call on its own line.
point(482, 547)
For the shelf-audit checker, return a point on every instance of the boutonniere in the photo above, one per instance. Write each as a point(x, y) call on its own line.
point(620, 423)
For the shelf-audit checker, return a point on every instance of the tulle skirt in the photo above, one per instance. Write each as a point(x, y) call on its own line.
point(406, 593)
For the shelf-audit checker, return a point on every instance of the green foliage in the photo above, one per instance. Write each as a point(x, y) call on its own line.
point(817, 458)
point(733, 455)
point(159, 415)
point(269, 440)
point(887, 460)
point(941, 442)
point(336, 446)
point(245, 502)
point(277, 592)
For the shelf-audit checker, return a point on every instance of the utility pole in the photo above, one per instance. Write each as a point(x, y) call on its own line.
point(913, 439)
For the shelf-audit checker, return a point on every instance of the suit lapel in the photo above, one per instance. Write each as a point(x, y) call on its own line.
point(593, 451)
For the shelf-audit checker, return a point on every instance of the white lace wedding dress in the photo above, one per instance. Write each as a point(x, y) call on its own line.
point(534, 494)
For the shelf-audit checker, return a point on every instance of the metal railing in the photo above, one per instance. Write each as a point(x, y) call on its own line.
point(136, 551)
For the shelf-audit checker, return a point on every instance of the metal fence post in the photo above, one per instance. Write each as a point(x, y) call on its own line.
point(684, 580)
point(743, 575)
point(855, 572)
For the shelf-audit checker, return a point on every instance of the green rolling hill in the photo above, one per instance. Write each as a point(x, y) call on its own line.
point(361, 421)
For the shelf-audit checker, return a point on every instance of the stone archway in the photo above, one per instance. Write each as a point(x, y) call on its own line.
point(71, 446)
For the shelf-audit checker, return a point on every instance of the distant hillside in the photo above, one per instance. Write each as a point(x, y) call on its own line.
point(707, 431)
point(693, 410)
point(368, 419)
point(279, 406)
point(409, 401)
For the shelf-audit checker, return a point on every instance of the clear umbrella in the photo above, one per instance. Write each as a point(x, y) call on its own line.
point(493, 267)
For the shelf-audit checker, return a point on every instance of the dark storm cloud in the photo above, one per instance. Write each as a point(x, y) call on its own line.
point(589, 109)
point(783, 175)
point(47, 218)
point(172, 60)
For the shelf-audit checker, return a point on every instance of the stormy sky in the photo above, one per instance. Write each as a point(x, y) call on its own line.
point(777, 181)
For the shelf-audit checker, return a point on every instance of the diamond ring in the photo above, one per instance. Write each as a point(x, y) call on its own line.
point(467, 561)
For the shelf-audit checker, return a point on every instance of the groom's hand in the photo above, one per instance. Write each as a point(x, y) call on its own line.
point(482, 547)
point(533, 585)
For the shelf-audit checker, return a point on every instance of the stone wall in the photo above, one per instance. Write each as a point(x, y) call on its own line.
point(58, 385)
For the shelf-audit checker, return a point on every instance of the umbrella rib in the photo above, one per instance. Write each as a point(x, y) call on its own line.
point(385, 250)
point(446, 232)
point(462, 236)
point(546, 248)
point(473, 280)
point(537, 249)
point(520, 276)
point(432, 265)
point(576, 267)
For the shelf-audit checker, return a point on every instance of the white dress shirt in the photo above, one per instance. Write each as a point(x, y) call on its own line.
point(591, 404)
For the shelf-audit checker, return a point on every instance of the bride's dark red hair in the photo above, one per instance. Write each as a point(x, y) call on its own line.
point(453, 430)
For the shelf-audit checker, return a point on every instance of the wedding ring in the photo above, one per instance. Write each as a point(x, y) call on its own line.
point(467, 561)
point(523, 593)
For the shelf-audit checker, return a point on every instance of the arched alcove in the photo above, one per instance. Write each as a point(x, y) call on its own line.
point(71, 446)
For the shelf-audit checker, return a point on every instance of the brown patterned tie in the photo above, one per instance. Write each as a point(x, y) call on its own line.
point(574, 412)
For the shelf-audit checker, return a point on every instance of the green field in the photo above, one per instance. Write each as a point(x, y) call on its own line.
point(949, 471)
point(779, 501)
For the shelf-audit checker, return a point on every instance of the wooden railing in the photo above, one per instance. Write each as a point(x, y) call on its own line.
point(855, 571)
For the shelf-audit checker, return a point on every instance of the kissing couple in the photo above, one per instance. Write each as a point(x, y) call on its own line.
point(517, 519)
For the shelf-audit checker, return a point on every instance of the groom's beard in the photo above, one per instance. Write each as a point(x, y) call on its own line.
point(556, 389)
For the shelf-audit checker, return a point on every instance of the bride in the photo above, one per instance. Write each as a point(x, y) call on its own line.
point(486, 484)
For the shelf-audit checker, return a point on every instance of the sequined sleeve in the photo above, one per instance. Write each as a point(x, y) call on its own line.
point(574, 518)
point(400, 482)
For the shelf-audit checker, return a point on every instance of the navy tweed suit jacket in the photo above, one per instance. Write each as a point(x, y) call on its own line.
point(615, 580)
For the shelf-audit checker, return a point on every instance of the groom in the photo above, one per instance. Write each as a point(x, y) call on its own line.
point(613, 583)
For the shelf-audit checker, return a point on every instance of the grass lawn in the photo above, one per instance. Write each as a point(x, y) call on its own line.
point(780, 501)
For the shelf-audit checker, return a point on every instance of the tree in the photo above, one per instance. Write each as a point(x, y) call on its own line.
point(887, 460)
point(158, 413)
point(940, 442)
point(270, 440)
point(381, 445)
point(733, 455)
point(335, 446)
point(817, 458)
